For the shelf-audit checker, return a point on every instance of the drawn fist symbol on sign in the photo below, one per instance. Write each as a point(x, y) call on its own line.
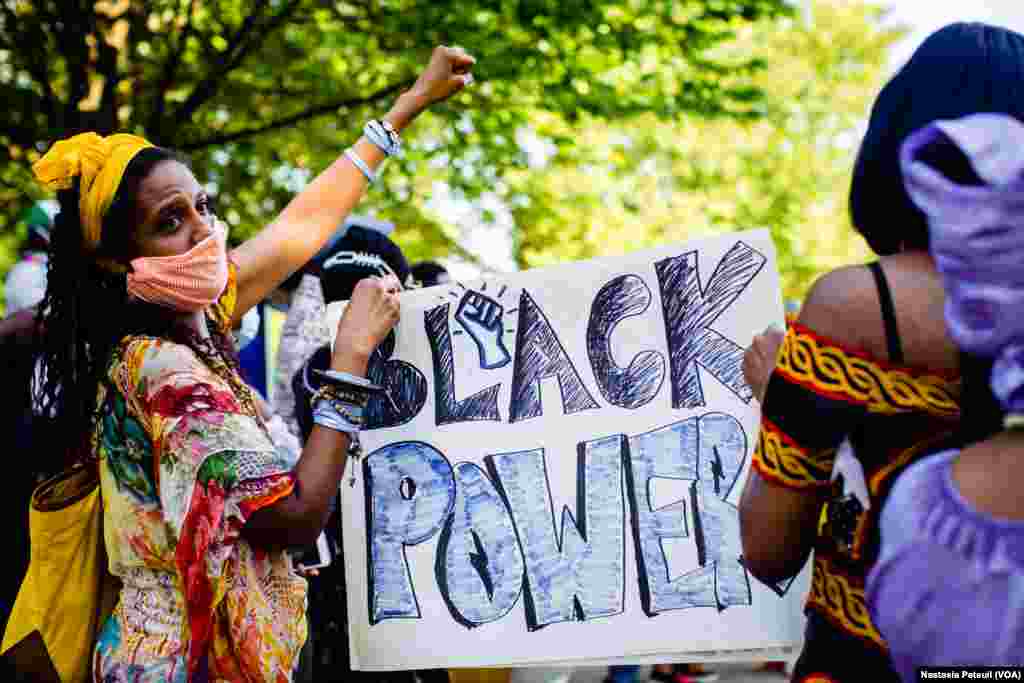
point(481, 317)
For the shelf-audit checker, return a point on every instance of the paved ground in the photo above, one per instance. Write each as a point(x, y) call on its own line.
point(728, 673)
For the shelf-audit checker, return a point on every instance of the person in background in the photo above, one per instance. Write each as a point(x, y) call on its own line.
point(622, 673)
point(25, 285)
point(251, 344)
point(357, 251)
point(24, 288)
point(361, 252)
point(952, 529)
point(682, 673)
point(869, 360)
point(430, 273)
point(326, 658)
point(29, 444)
point(283, 439)
point(281, 297)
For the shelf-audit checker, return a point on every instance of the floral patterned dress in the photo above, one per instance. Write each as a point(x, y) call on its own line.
point(183, 464)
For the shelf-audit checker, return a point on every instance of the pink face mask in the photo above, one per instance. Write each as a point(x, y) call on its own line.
point(186, 282)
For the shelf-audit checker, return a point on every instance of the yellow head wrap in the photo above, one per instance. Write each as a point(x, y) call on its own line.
point(100, 163)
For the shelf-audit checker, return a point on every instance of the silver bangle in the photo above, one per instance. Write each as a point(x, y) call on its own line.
point(358, 162)
point(337, 377)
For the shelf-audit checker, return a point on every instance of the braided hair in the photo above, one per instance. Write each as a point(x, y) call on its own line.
point(87, 312)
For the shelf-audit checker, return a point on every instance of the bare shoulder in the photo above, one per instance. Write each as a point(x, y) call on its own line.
point(843, 305)
point(987, 475)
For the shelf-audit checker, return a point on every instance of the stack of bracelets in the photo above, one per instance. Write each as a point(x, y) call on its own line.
point(340, 403)
point(384, 137)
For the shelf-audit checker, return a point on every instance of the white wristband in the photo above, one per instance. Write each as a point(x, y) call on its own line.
point(383, 136)
point(358, 162)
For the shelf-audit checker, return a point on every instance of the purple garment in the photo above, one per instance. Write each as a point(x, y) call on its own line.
point(948, 586)
point(977, 238)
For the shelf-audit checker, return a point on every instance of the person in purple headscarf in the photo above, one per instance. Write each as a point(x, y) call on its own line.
point(948, 587)
point(867, 380)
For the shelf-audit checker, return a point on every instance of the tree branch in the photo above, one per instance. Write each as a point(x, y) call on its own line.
point(248, 38)
point(170, 71)
point(20, 133)
point(36, 61)
point(77, 25)
point(208, 86)
point(311, 113)
point(106, 64)
point(279, 89)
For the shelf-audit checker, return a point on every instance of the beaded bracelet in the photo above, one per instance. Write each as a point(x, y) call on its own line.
point(352, 413)
point(342, 394)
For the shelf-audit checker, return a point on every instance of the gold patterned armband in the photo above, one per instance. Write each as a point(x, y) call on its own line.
point(831, 371)
point(840, 600)
point(781, 460)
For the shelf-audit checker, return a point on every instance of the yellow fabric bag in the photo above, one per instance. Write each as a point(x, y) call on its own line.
point(68, 591)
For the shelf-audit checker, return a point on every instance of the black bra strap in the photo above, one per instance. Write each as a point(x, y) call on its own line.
point(892, 333)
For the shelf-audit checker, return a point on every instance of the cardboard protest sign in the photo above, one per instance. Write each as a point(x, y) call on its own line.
point(554, 471)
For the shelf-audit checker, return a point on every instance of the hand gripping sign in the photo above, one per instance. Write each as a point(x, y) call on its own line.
point(558, 473)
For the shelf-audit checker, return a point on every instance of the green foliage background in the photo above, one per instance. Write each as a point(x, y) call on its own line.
point(665, 120)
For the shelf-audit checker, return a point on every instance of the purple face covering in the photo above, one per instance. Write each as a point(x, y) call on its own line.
point(977, 239)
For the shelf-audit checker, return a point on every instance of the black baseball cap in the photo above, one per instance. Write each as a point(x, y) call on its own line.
point(360, 253)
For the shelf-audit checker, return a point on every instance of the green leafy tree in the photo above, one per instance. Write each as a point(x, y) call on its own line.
point(630, 184)
point(262, 93)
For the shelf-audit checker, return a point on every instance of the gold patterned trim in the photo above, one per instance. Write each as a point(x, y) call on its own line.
point(826, 369)
point(223, 309)
point(842, 603)
point(781, 460)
